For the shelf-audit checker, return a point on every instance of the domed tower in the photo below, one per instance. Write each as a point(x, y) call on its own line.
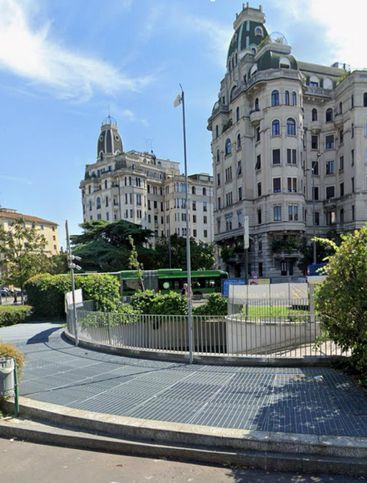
point(109, 141)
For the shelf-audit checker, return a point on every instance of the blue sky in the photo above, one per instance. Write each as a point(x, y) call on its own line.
point(65, 64)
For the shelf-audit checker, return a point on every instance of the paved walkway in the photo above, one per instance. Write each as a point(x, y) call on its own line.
point(316, 401)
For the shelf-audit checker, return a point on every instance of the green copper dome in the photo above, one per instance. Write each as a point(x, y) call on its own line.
point(248, 35)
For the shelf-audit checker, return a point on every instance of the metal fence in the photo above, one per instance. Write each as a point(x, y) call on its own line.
point(263, 328)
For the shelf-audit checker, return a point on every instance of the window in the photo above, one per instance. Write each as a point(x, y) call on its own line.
point(352, 131)
point(341, 163)
point(257, 108)
point(205, 220)
point(342, 215)
point(291, 127)
point(106, 201)
point(293, 212)
point(277, 185)
point(329, 115)
point(328, 83)
point(316, 218)
point(275, 128)
point(276, 156)
point(275, 98)
point(286, 98)
point(155, 204)
point(352, 155)
point(352, 185)
point(195, 233)
point(277, 213)
point(216, 131)
point(329, 141)
point(340, 108)
point(314, 114)
point(314, 81)
point(259, 31)
point(352, 101)
point(193, 190)
point(219, 203)
point(204, 191)
point(365, 99)
point(259, 218)
point(238, 142)
point(228, 173)
point(98, 203)
point(284, 63)
point(341, 189)
point(341, 136)
point(331, 217)
point(258, 189)
point(330, 192)
point(228, 199)
point(218, 225)
point(237, 114)
point(205, 233)
point(105, 184)
point(314, 142)
point(228, 147)
point(240, 193)
point(294, 98)
point(194, 206)
point(292, 185)
point(315, 168)
point(239, 170)
point(258, 162)
point(315, 190)
point(330, 167)
point(218, 156)
point(353, 213)
point(258, 134)
point(291, 156)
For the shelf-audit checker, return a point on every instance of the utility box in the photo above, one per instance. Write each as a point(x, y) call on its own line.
point(6, 377)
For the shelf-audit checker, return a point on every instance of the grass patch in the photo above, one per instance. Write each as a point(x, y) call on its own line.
point(275, 312)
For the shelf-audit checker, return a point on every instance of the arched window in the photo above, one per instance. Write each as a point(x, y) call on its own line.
point(216, 131)
point(275, 128)
point(329, 115)
point(340, 108)
point(237, 113)
point(98, 203)
point(193, 190)
point(259, 31)
point(232, 93)
point(238, 141)
point(291, 127)
point(286, 98)
point(284, 63)
point(365, 99)
point(257, 108)
point(314, 81)
point(328, 83)
point(228, 148)
point(253, 70)
point(294, 98)
point(218, 156)
point(314, 114)
point(90, 205)
point(275, 98)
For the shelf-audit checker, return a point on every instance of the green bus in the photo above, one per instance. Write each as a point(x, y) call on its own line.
point(167, 279)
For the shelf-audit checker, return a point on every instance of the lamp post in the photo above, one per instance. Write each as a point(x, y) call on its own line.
point(72, 266)
point(314, 249)
point(180, 99)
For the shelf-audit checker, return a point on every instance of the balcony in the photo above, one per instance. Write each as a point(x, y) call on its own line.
point(317, 92)
point(256, 115)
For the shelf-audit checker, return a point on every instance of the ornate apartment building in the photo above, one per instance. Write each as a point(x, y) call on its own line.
point(289, 145)
point(143, 189)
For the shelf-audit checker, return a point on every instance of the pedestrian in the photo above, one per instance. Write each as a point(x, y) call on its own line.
point(184, 291)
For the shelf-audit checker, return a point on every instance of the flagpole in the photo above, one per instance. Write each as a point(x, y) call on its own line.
point(188, 248)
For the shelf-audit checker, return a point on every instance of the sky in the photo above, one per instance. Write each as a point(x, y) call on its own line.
point(65, 65)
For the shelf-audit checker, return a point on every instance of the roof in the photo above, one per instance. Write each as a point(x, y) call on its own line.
point(14, 215)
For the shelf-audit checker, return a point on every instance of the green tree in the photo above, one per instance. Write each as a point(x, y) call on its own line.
point(105, 247)
point(202, 254)
point(341, 299)
point(23, 253)
point(134, 262)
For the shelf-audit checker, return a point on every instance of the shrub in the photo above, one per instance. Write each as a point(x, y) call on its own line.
point(8, 350)
point(14, 314)
point(341, 299)
point(46, 292)
point(111, 319)
point(150, 302)
point(216, 305)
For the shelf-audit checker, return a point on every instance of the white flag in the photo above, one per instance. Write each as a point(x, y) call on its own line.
point(177, 101)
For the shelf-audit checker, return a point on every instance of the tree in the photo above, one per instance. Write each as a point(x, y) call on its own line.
point(105, 247)
point(23, 253)
point(323, 250)
point(202, 254)
point(341, 299)
point(134, 262)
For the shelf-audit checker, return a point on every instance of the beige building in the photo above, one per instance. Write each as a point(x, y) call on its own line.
point(47, 228)
point(143, 189)
point(289, 144)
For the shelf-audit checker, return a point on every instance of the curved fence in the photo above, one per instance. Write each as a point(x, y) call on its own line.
point(261, 330)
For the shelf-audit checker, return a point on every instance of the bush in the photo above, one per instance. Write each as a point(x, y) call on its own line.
point(216, 305)
point(46, 292)
point(152, 303)
point(102, 319)
point(14, 314)
point(8, 350)
point(341, 299)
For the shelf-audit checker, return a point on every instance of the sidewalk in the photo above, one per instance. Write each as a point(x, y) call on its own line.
point(308, 401)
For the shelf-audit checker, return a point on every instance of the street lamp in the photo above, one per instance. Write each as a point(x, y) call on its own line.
point(312, 170)
point(72, 266)
point(180, 99)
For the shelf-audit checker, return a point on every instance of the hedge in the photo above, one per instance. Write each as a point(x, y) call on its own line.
point(14, 314)
point(46, 292)
point(157, 303)
point(215, 305)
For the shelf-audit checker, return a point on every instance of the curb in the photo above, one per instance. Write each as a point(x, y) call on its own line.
point(256, 361)
point(104, 432)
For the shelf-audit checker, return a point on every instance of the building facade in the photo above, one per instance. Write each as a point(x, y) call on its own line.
point(289, 145)
point(143, 189)
point(47, 228)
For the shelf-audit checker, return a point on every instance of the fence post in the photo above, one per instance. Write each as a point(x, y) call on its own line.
point(311, 288)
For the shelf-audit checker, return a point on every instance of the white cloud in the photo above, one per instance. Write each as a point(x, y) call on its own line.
point(341, 25)
point(218, 35)
point(132, 117)
point(30, 53)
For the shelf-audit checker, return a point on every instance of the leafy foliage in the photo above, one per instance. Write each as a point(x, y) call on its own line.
point(216, 305)
point(10, 351)
point(46, 292)
point(23, 253)
point(134, 262)
point(202, 254)
point(341, 299)
point(14, 314)
point(150, 302)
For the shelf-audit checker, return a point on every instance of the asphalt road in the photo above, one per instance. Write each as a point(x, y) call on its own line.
point(31, 463)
